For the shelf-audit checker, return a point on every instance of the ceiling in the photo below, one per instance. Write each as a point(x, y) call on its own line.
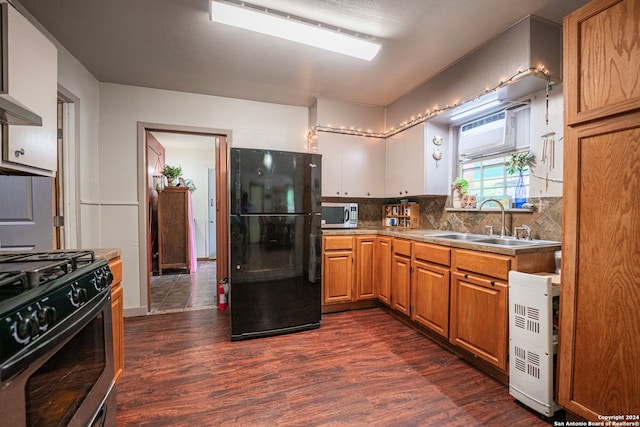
point(171, 44)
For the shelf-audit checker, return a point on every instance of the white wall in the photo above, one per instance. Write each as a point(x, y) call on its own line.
point(253, 124)
point(77, 80)
point(538, 128)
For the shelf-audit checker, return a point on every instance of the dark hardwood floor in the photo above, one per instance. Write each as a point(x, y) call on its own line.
point(360, 368)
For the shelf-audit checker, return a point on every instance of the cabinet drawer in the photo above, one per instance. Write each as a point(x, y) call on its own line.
point(332, 243)
point(402, 247)
point(116, 268)
point(483, 263)
point(432, 253)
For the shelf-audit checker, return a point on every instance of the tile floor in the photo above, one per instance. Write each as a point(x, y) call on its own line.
point(178, 291)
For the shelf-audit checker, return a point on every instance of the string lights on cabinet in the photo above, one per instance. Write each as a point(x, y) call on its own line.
point(422, 117)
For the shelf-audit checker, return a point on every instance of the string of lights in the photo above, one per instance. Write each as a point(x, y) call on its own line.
point(422, 117)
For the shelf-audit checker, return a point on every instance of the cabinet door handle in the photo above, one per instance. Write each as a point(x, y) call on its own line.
point(466, 276)
point(20, 152)
point(493, 283)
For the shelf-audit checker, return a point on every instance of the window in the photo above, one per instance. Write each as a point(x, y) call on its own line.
point(488, 177)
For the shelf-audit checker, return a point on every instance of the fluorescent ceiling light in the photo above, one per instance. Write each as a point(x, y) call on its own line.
point(475, 110)
point(278, 24)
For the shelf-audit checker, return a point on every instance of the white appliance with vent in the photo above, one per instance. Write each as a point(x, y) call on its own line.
point(495, 133)
point(533, 339)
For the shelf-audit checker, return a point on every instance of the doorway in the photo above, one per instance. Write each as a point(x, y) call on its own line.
point(198, 152)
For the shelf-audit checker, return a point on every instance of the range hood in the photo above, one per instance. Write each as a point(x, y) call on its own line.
point(14, 113)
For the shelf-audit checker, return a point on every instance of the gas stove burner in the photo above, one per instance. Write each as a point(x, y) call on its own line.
point(12, 284)
point(43, 267)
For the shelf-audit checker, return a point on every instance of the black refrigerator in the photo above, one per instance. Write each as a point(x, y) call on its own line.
point(275, 242)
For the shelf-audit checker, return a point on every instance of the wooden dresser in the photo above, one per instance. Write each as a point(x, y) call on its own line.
point(174, 233)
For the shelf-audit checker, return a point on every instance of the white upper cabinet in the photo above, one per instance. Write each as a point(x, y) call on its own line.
point(30, 77)
point(352, 166)
point(411, 168)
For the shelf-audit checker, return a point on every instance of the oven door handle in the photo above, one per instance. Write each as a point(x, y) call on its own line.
point(22, 360)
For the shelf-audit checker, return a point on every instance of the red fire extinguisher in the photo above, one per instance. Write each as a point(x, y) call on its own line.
point(222, 295)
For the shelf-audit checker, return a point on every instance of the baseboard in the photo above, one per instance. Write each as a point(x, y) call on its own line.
point(135, 311)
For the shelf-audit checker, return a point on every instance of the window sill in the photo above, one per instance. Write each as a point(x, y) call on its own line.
point(513, 210)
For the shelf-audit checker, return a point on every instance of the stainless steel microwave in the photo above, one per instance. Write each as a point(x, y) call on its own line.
point(339, 215)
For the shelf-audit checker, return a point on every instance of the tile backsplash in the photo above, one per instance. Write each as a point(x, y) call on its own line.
point(545, 221)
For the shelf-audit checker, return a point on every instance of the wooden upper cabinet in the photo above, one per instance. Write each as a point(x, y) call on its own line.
point(602, 60)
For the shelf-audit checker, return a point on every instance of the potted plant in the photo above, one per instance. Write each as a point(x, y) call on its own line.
point(172, 173)
point(460, 187)
point(519, 163)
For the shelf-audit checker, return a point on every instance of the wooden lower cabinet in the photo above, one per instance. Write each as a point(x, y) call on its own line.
point(430, 283)
point(383, 269)
point(401, 276)
point(430, 297)
point(479, 317)
point(337, 269)
point(117, 315)
point(460, 294)
point(365, 268)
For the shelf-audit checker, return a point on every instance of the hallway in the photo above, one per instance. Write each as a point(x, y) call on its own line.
point(179, 291)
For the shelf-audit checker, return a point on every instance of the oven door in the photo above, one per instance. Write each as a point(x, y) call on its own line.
point(66, 378)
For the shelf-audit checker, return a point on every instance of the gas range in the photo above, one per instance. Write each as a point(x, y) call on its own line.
point(39, 290)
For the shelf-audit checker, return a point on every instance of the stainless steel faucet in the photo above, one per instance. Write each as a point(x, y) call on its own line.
point(503, 231)
point(527, 232)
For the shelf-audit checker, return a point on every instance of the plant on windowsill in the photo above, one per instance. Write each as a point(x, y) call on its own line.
point(519, 163)
point(460, 187)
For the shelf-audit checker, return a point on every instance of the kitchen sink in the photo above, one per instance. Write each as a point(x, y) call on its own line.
point(458, 236)
point(483, 239)
point(505, 242)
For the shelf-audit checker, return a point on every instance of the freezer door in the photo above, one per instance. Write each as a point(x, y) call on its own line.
point(275, 274)
point(274, 182)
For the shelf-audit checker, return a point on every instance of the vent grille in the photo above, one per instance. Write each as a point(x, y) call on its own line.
point(533, 326)
point(527, 362)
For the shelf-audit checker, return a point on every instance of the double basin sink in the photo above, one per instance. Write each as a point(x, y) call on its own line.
point(484, 239)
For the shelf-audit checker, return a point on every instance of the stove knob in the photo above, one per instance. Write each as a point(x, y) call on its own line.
point(106, 278)
point(47, 315)
point(109, 276)
point(27, 327)
point(78, 296)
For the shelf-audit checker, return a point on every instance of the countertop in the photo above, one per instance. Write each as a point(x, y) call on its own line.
point(107, 253)
point(423, 235)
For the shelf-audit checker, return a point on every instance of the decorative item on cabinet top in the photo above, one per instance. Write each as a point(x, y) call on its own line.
point(405, 215)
